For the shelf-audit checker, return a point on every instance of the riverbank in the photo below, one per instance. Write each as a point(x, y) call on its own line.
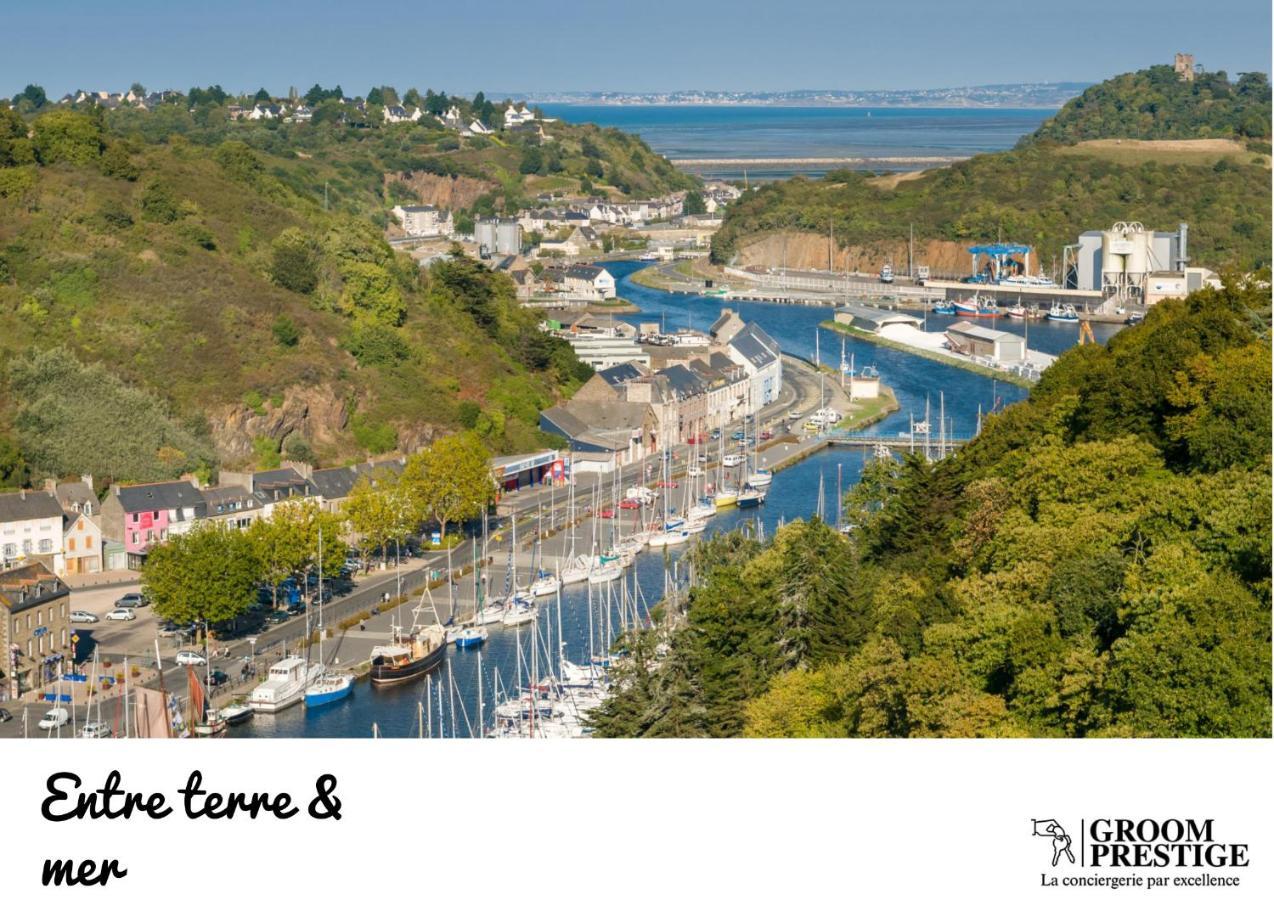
point(947, 359)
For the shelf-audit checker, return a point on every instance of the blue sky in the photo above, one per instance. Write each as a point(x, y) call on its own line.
point(504, 47)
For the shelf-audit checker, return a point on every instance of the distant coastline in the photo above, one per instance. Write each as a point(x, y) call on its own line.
point(1044, 95)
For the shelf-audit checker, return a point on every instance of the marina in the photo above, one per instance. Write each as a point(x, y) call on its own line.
point(566, 642)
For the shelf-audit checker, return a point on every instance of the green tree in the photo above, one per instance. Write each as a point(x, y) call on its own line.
point(371, 290)
point(379, 513)
point(262, 96)
point(294, 260)
point(286, 545)
point(693, 204)
point(450, 480)
point(206, 575)
point(67, 136)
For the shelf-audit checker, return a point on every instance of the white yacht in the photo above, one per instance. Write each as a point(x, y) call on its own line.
point(285, 685)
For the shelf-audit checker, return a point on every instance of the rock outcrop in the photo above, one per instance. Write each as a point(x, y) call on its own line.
point(317, 413)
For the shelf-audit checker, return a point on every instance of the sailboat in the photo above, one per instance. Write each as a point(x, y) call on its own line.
point(759, 478)
point(205, 722)
point(470, 636)
point(672, 530)
point(724, 495)
point(328, 687)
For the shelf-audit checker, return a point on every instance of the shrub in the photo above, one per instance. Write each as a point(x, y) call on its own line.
point(286, 334)
point(160, 204)
point(294, 262)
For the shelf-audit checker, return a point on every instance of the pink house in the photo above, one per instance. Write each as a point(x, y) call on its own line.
point(141, 515)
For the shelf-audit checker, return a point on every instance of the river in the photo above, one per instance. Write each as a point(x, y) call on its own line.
point(793, 494)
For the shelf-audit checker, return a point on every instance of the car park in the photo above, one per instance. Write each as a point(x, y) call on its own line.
point(54, 718)
point(96, 730)
point(82, 617)
point(122, 614)
point(190, 658)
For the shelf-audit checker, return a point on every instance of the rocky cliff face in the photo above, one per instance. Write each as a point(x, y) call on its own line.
point(443, 191)
point(810, 251)
point(317, 413)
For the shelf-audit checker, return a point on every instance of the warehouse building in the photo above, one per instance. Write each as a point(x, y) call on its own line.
point(976, 340)
point(869, 318)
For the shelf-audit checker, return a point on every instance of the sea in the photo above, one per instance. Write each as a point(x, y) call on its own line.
point(883, 138)
point(919, 384)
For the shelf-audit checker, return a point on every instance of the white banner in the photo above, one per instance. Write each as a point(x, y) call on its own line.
point(639, 819)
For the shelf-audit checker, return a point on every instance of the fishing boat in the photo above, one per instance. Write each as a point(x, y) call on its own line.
point(409, 658)
point(328, 687)
point(1059, 313)
point(471, 636)
point(284, 685)
point(978, 307)
point(1017, 311)
point(944, 309)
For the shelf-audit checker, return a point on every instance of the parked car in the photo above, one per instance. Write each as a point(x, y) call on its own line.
point(131, 601)
point(123, 614)
point(793, 415)
point(96, 730)
point(190, 658)
point(630, 503)
point(277, 616)
point(5, 715)
point(730, 460)
point(694, 472)
point(54, 718)
point(82, 616)
point(767, 435)
point(607, 513)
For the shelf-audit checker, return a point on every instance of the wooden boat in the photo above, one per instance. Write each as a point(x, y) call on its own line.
point(409, 658)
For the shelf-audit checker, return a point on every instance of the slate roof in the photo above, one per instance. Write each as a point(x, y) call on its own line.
point(221, 500)
point(982, 333)
point(162, 495)
point(336, 483)
point(623, 373)
point(754, 347)
point(682, 382)
point(74, 494)
point(19, 506)
point(31, 585)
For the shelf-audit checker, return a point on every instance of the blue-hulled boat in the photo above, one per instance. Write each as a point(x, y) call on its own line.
point(329, 688)
point(470, 637)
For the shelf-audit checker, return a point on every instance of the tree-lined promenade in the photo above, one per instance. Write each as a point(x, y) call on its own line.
point(213, 573)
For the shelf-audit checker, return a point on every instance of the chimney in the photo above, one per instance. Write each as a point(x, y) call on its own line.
point(115, 488)
point(50, 484)
point(88, 479)
point(22, 494)
point(1183, 258)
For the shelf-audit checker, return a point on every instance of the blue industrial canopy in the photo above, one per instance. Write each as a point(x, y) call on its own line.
point(999, 249)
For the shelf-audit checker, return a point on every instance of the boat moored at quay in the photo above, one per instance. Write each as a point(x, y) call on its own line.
point(409, 658)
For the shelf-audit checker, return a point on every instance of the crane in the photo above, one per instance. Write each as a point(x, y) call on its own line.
point(1086, 335)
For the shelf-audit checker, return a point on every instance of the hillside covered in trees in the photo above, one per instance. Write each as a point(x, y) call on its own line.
point(174, 298)
point(1157, 104)
point(1096, 563)
point(1045, 192)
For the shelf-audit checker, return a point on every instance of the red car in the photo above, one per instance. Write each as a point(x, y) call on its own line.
point(630, 503)
point(666, 484)
point(607, 513)
point(766, 435)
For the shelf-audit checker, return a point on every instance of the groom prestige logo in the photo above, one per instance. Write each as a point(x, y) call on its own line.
point(1184, 845)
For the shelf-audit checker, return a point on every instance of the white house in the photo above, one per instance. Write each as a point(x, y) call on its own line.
point(31, 529)
point(394, 114)
point(592, 282)
point(425, 221)
point(476, 127)
point(514, 116)
point(761, 358)
point(265, 111)
point(81, 545)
